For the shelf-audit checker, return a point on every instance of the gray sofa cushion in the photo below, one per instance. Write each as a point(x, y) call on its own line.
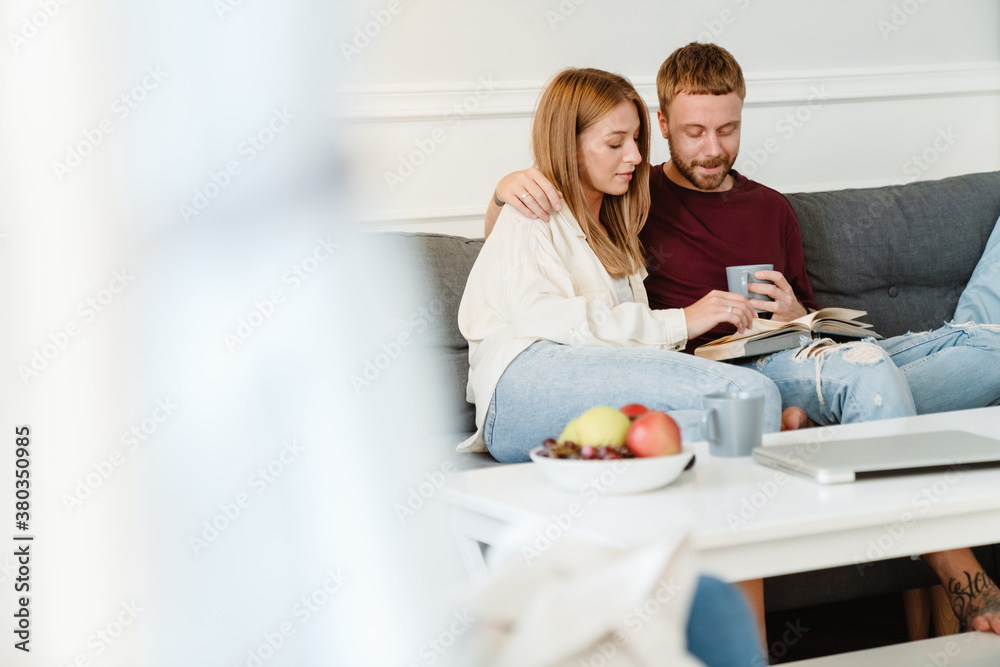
point(443, 263)
point(903, 253)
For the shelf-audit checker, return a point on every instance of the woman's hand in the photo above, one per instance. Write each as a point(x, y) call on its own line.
point(542, 195)
point(715, 308)
point(785, 306)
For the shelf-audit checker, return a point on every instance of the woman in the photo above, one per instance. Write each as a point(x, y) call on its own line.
point(556, 314)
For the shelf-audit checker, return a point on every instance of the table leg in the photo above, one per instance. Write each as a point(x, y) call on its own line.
point(473, 532)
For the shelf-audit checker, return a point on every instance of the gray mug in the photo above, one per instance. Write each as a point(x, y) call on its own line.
point(739, 277)
point(733, 423)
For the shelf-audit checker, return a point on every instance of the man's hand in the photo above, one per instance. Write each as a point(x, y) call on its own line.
point(785, 306)
point(715, 308)
point(542, 195)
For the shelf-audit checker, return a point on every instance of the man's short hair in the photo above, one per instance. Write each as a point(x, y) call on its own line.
point(699, 69)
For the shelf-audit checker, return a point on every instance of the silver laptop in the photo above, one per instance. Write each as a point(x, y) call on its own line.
point(838, 461)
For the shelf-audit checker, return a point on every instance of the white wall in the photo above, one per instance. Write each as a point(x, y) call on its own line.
point(902, 79)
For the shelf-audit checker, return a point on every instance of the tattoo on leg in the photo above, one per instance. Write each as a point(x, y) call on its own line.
point(976, 595)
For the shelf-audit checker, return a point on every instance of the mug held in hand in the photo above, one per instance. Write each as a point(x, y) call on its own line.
point(740, 277)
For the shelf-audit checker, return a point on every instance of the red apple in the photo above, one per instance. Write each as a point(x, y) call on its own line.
point(653, 434)
point(633, 410)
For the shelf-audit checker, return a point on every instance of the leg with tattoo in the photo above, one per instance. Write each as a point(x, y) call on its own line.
point(974, 598)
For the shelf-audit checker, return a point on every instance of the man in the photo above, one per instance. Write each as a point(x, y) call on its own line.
point(705, 216)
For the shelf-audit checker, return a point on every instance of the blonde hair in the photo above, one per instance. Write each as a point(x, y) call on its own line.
point(574, 100)
point(699, 69)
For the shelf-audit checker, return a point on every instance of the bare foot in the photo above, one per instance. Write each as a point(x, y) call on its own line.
point(975, 599)
point(794, 418)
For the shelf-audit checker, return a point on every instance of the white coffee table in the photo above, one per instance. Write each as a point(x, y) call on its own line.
point(749, 521)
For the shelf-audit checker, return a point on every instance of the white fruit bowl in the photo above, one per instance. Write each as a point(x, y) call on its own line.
point(614, 477)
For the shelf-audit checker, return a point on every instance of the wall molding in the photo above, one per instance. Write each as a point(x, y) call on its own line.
point(485, 98)
point(403, 219)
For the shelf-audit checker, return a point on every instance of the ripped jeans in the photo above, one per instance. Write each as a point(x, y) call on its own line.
point(951, 368)
point(549, 384)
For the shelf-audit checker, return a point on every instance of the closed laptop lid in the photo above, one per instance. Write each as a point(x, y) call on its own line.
point(837, 461)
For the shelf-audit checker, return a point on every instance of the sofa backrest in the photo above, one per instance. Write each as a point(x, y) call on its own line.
point(903, 253)
point(444, 263)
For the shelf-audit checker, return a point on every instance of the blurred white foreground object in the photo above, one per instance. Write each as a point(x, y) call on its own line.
point(578, 602)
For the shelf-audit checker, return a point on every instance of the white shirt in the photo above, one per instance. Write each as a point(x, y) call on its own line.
point(536, 280)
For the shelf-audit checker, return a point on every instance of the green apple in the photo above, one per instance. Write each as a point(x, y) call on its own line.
point(569, 433)
point(602, 426)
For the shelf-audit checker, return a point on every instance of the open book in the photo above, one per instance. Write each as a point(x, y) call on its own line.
point(766, 336)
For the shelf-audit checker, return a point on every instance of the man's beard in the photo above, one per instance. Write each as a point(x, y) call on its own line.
point(702, 181)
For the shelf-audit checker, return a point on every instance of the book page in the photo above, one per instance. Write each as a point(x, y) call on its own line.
point(761, 327)
point(843, 314)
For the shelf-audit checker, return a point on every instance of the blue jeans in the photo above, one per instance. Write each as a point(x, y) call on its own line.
point(721, 631)
point(951, 368)
point(840, 384)
point(980, 302)
point(549, 384)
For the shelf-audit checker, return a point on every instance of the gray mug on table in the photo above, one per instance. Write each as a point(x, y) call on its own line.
point(733, 423)
point(739, 277)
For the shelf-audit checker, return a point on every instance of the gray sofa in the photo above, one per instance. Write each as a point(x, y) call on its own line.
point(902, 253)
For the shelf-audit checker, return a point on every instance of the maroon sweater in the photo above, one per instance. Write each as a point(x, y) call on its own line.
point(691, 237)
